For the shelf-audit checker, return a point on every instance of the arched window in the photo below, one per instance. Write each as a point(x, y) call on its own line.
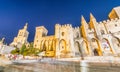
point(116, 42)
point(77, 35)
point(63, 33)
point(102, 32)
point(62, 45)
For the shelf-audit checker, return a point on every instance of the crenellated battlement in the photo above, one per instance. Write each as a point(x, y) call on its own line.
point(66, 26)
point(76, 28)
point(108, 20)
point(57, 25)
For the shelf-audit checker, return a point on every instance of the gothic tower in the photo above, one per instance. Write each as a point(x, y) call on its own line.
point(64, 43)
point(21, 37)
point(41, 31)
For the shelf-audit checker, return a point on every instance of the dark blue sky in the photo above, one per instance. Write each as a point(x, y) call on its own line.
point(15, 13)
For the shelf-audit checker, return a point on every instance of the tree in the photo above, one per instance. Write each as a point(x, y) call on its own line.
point(16, 51)
point(30, 51)
point(22, 50)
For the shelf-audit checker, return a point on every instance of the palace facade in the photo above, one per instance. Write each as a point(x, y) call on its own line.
point(90, 39)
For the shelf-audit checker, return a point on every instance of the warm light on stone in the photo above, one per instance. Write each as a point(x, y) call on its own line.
point(90, 39)
point(21, 37)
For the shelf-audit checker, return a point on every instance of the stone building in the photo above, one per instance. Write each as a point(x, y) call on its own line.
point(115, 13)
point(5, 49)
point(90, 39)
point(21, 37)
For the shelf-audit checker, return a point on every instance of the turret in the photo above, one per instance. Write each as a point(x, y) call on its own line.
point(57, 30)
point(21, 37)
point(41, 31)
point(26, 25)
point(2, 41)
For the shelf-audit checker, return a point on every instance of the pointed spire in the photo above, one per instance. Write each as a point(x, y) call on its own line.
point(83, 21)
point(3, 39)
point(26, 25)
point(92, 17)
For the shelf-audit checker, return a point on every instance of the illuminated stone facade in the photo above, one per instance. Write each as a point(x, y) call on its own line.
point(115, 13)
point(21, 37)
point(90, 39)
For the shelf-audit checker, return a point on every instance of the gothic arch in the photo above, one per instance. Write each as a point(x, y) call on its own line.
point(49, 45)
point(45, 45)
point(78, 49)
point(84, 46)
point(41, 45)
point(53, 44)
point(116, 42)
point(95, 46)
point(62, 46)
point(106, 47)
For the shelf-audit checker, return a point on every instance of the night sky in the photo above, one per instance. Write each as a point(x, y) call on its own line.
point(15, 13)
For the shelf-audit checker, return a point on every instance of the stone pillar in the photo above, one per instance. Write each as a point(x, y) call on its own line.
point(90, 53)
point(101, 52)
point(112, 47)
point(57, 49)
